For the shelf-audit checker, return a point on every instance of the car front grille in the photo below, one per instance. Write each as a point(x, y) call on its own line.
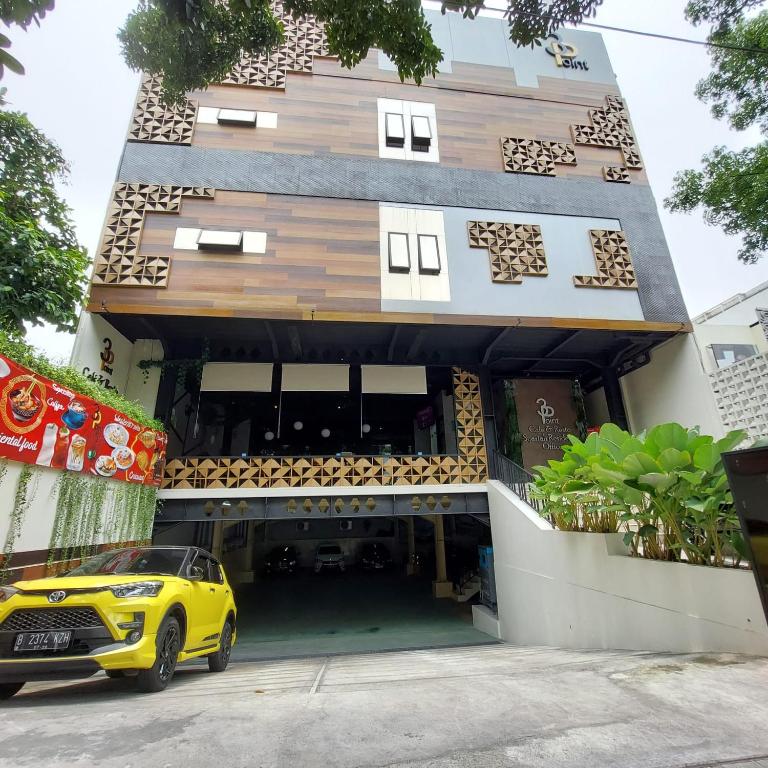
point(45, 619)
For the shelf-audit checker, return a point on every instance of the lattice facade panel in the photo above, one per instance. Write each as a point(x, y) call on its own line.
point(154, 122)
point(515, 250)
point(616, 173)
point(613, 260)
point(610, 127)
point(304, 39)
point(469, 466)
point(741, 394)
point(762, 318)
point(535, 156)
point(120, 261)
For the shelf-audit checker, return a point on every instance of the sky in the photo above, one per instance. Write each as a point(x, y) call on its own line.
point(80, 93)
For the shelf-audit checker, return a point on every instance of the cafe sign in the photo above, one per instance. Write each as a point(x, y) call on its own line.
point(46, 424)
point(546, 415)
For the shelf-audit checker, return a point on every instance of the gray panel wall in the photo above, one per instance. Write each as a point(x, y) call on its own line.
point(569, 253)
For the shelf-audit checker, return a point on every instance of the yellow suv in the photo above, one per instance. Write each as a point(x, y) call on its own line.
point(129, 611)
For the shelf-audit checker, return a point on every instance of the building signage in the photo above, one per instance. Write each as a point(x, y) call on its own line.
point(546, 415)
point(46, 424)
point(101, 353)
point(565, 54)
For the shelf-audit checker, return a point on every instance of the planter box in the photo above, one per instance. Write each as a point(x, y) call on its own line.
point(582, 590)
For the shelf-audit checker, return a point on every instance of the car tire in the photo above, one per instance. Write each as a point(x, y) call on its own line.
point(9, 689)
point(157, 677)
point(217, 662)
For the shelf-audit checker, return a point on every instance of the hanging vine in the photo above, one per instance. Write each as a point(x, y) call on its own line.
point(26, 488)
point(182, 366)
point(91, 510)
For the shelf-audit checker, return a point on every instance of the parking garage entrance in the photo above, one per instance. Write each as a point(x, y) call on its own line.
point(337, 584)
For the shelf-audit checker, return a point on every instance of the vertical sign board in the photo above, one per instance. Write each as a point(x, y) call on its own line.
point(546, 415)
point(748, 478)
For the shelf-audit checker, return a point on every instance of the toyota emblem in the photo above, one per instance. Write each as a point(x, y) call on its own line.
point(57, 596)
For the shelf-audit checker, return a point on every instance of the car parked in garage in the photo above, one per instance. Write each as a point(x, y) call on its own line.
point(329, 557)
point(374, 556)
point(137, 611)
point(282, 560)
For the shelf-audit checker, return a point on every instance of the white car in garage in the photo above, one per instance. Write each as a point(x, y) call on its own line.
point(329, 556)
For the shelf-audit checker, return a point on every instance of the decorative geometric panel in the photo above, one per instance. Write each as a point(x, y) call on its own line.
point(741, 394)
point(535, 156)
point(616, 173)
point(156, 123)
point(610, 128)
point(304, 39)
point(762, 318)
point(469, 466)
point(614, 264)
point(119, 261)
point(515, 249)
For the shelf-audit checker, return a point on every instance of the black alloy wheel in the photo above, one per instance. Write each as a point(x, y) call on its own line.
point(157, 677)
point(217, 662)
point(9, 689)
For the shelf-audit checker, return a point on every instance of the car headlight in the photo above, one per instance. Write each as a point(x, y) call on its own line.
point(7, 592)
point(137, 589)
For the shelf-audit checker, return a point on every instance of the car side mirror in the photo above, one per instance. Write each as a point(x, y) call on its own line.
point(195, 573)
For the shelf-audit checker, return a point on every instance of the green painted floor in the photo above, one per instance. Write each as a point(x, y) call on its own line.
point(354, 612)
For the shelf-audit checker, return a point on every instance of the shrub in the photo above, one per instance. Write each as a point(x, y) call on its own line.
point(666, 490)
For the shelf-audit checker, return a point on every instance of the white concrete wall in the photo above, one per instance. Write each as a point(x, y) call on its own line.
point(581, 590)
point(672, 387)
point(712, 333)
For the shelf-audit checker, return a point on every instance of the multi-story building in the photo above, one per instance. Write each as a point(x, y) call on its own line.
point(354, 299)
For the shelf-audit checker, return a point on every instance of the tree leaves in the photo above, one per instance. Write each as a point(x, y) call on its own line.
point(42, 266)
point(732, 190)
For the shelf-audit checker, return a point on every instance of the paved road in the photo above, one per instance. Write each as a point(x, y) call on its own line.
point(487, 706)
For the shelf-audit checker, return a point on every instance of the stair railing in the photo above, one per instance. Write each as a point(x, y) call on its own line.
point(516, 478)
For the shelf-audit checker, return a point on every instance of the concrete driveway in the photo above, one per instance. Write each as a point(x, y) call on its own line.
point(486, 706)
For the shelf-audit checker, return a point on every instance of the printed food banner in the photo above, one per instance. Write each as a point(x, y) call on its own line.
point(46, 424)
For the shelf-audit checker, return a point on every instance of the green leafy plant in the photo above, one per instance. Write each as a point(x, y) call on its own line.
point(666, 490)
point(23, 354)
point(90, 509)
point(26, 487)
point(42, 266)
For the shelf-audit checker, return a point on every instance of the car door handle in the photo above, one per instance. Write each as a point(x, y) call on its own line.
point(211, 589)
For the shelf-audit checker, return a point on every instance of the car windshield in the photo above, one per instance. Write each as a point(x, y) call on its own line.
point(139, 560)
point(329, 550)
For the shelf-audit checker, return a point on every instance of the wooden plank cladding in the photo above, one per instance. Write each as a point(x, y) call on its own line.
point(320, 255)
point(470, 465)
point(334, 110)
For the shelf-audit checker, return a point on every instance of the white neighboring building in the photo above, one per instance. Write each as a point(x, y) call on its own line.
point(733, 340)
point(715, 378)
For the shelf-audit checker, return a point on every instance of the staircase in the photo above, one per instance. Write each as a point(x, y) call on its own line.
point(467, 589)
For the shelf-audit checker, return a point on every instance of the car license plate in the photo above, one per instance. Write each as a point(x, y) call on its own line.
point(42, 641)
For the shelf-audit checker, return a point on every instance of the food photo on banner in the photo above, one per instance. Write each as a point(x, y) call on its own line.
point(46, 424)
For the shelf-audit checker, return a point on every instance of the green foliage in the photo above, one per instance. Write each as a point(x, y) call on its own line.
point(732, 189)
point(194, 44)
point(23, 13)
point(23, 354)
point(721, 14)
point(90, 509)
point(736, 88)
point(665, 489)
point(532, 20)
point(26, 487)
point(42, 267)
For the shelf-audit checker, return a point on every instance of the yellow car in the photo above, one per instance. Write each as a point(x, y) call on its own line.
point(129, 611)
